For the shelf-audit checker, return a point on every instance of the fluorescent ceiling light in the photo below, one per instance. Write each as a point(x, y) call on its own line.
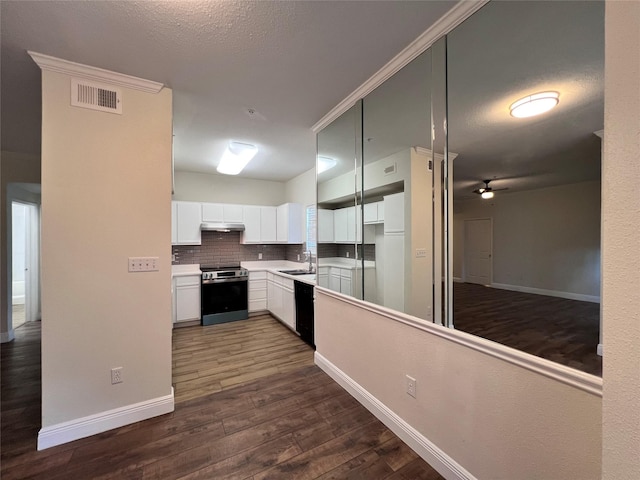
point(486, 195)
point(534, 104)
point(236, 157)
point(325, 163)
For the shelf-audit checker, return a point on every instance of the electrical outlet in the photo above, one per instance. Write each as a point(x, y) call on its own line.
point(143, 264)
point(411, 386)
point(116, 375)
point(259, 256)
point(298, 257)
point(347, 254)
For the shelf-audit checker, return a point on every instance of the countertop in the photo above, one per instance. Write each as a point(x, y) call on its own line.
point(274, 266)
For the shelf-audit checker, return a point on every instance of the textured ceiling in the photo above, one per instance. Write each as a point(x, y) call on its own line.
point(290, 62)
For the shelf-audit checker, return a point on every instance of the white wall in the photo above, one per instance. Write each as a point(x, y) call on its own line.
point(620, 243)
point(302, 190)
point(202, 187)
point(106, 196)
point(547, 238)
point(14, 168)
point(497, 420)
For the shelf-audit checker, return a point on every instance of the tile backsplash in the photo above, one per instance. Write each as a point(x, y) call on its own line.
point(221, 249)
point(327, 250)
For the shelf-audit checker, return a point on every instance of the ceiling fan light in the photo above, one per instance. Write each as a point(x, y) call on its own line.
point(536, 104)
point(236, 156)
point(486, 195)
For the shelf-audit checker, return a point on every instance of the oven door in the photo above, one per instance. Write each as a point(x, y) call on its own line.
point(224, 300)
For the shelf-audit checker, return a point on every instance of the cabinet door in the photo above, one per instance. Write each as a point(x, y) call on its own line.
point(393, 252)
point(340, 225)
point(334, 279)
point(268, 224)
point(189, 218)
point(345, 282)
point(325, 226)
point(289, 308)
point(174, 223)
point(282, 223)
point(187, 303)
point(351, 224)
point(394, 213)
point(252, 222)
point(212, 212)
point(371, 213)
point(232, 213)
point(289, 226)
point(380, 211)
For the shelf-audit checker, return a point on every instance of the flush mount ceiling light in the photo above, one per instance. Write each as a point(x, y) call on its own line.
point(325, 163)
point(536, 104)
point(236, 157)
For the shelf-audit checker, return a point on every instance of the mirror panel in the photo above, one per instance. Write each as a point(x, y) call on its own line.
point(526, 262)
point(397, 186)
point(338, 166)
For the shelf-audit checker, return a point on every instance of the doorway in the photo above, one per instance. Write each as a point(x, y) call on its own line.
point(25, 249)
point(478, 240)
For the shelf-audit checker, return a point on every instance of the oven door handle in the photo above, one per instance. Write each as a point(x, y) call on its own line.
point(222, 280)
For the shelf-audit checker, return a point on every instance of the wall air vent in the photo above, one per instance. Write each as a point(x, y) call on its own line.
point(390, 170)
point(104, 98)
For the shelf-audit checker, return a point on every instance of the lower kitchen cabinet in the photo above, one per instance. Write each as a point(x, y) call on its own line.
point(187, 298)
point(280, 299)
point(257, 291)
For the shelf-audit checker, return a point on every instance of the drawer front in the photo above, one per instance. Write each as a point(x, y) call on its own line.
point(257, 305)
point(287, 283)
point(188, 280)
point(260, 294)
point(257, 284)
point(261, 275)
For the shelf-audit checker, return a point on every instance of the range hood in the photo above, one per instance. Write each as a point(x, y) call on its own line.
point(222, 227)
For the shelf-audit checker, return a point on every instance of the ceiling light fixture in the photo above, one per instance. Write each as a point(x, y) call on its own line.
point(325, 163)
point(536, 104)
point(236, 157)
point(486, 195)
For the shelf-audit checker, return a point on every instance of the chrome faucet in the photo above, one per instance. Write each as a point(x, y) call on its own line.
point(308, 255)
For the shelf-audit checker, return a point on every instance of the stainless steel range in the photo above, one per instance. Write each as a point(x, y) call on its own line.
point(224, 294)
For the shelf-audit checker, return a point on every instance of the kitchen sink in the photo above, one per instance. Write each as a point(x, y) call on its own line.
point(297, 272)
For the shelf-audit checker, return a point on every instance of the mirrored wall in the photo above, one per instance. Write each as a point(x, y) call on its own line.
point(444, 204)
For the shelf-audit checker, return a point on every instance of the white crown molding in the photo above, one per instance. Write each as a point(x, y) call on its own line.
point(429, 451)
point(561, 373)
point(101, 422)
point(454, 17)
point(53, 64)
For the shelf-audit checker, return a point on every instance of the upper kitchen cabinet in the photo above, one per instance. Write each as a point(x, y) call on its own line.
point(186, 218)
point(289, 223)
point(325, 226)
point(259, 224)
point(222, 213)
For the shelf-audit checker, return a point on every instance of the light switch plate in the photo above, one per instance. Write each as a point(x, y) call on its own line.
point(421, 252)
point(143, 264)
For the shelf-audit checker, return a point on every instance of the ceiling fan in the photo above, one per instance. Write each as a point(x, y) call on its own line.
point(486, 191)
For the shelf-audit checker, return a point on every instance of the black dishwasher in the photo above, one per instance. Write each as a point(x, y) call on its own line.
point(304, 311)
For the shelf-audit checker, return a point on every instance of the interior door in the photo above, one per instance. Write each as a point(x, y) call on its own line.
point(478, 251)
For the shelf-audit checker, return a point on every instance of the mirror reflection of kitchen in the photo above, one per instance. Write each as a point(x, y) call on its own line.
point(526, 223)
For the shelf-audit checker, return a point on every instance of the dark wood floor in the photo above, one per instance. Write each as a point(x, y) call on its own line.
point(295, 423)
point(561, 330)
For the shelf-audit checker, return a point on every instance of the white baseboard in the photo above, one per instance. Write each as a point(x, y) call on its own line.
point(600, 349)
point(550, 293)
point(458, 279)
point(6, 337)
point(103, 421)
point(431, 453)
point(17, 300)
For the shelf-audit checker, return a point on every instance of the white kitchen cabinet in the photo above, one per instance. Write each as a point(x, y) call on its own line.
point(340, 221)
point(281, 299)
point(393, 252)
point(259, 224)
point(351, 224)
point(268, 224)
point(322, 276)
point(257, 291)
point(222, 213)
point(174, 223)
point(188, 220)
point(394, 213)
point(289, 223)
point(325, 226)
point(374, 213)
point(346, 281)
point(187, 298)
point(334, 279)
